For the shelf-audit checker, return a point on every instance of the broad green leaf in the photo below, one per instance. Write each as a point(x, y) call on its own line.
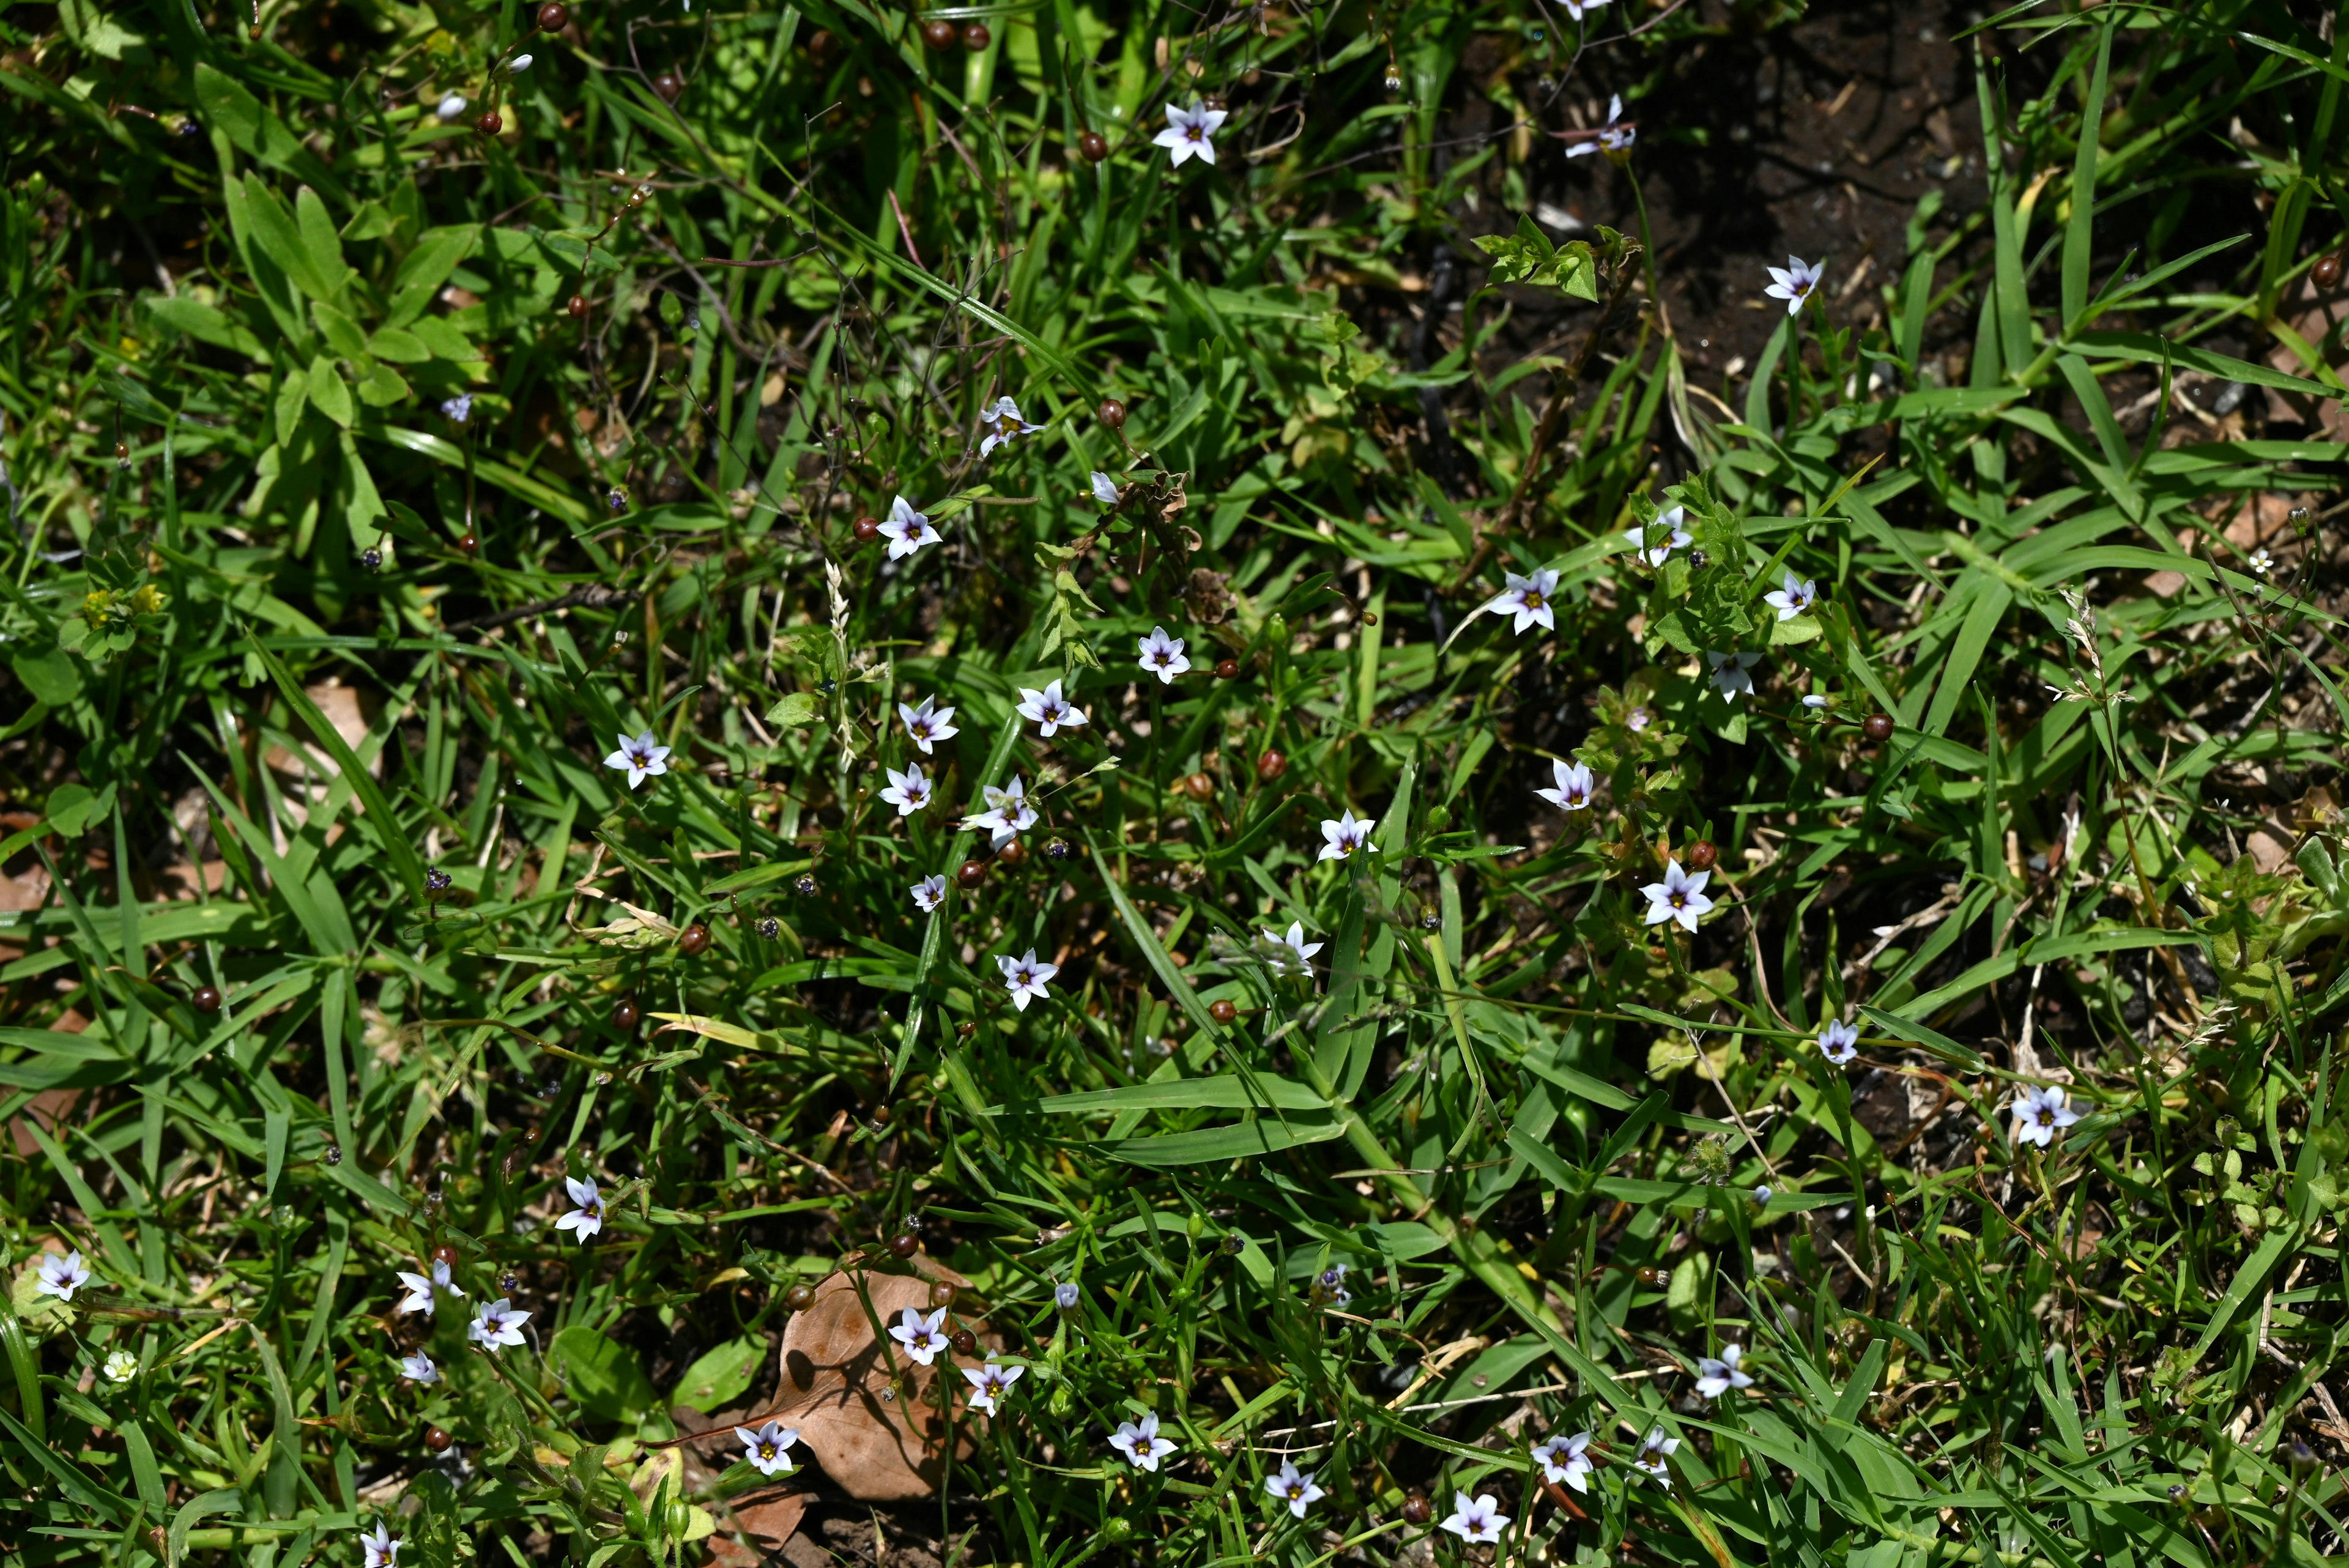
point(329, 393)
point(606, 1379)
point(720, 1376)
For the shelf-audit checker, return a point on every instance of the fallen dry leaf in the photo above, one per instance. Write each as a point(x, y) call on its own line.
point(881, 1438)
point(768, 1523)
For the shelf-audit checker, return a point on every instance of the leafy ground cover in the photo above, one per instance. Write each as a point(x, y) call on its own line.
point(1025, 783)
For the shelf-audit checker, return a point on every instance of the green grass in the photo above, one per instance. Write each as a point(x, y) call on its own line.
point(308, 695)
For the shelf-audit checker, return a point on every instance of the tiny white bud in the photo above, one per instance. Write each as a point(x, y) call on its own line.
point(520, 64)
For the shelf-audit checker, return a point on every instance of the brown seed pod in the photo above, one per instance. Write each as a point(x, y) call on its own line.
point(1012, 854)
point(1701, 856)
point(971, 873)
point(1201, 786)
point(121, 453)
point(938, 35)
point(1227, 669)
point(490, 124)
point(670, 84)
point(626, 1014)
point(965, 1342)
point(1113, 413)
point(882, 1115)
point(976, 38)
point(1417, 1509)
point(437, 1439)
point(253, 32)
point(577, 306)
point(1222, 1012)
point(1094, 147)
point(694, 940)
point(468, 543)
point(818, 44)
point(2326, 273)
point(205, 999)
point(1271, 766)
point(904, 1245)
point(1877, 727)
point(942, 1294)
point(799, 1297)
point(553, 16)
point(866, 530)
point(445, 1254)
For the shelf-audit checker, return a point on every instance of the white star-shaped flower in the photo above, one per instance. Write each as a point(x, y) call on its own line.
point(1839, 1041)
point(1665, 534)
point(1798, 595)
point(920, 1334)
point(1574, 786)
point(1729, 677)
point(1294, 944)
point(1139, 1441)
point(928, 723)
point(1008, 812)
point(61, 1276)
point(1565, 1461)
point(1002, 423)
point(122, 1366)
point(1163, 655)
point(640, 758)
point(931, 892)
point(423, 1291)
point(1477, 1520)
point(1347, 834)
point(496, 1323)
point(906, 529)
point(1105, 488)
point(1796, 282)
point(768, 1449)
point(909, 791)
point(1025, 977)
point(1614, 136)
point(989, 1382)
point(1716, 1378)
point(587, 1215)
point(1679, 897)
point(1186, 134)
point(1294, 1487)
point(1654, 1447)
point(418, 1369)
point(2040, 1113)
point(382, 1547)
point(1049, 710)
point(1527, 598)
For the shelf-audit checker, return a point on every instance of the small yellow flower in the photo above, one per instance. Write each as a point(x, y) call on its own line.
point(147, 600)
point(97, 609)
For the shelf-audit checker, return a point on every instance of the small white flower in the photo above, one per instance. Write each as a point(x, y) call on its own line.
point(639, 758)
point(1476, 1520)
point(908, 530)
point(1346, 834)
point(1105, 490)
point(920, 1334)
point(518, 65)
point(2040, 1113)
point(1163, 655)
point(1574, 786)
point(1049, 709)
point(1614, 136)
point(1294, 1487)
point(458, 410)
point(931, 892)
point(1294, 943)
point(2261, 563)
point(768, 1448)
point(1578, 9)
point(1679, 897)
point(1025, 977)
point(1139, 1441)
point(909, 791)
point(1716, 1378)
point(1729, 674)
point(587, 1215)
point(1666, 535)
point(1565, 1461)
point(1186, 134)
point(1839, 1041)
point(1654, 1447)
point(1761, 1195)
point(1815, 700)
point(122, 1366)
point(1528, 599)
point(1796, 281)
point(382, 1547)
point(1329, 1287)
point(1798, 597)
point(1008, 812)
point(61, 1276)
point(1638, 718)
point(1064, 1295)
point(418, 1369)
point(1002, 423)
point(424, 1292)
point(452, 107)
point(991, 1383)
point(928, 723)
point(496, 1323)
